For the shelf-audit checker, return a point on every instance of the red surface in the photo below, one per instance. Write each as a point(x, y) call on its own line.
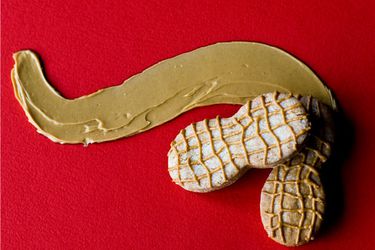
point(118, 195)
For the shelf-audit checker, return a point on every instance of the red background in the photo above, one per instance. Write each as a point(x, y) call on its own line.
point(119, 195)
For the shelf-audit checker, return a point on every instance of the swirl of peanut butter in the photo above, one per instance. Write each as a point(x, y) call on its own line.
point(231, 72)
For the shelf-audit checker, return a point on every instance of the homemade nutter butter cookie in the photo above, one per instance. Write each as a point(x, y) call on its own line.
point(292, 199)
point(211, 154)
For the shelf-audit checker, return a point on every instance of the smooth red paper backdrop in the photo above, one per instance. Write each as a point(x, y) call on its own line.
point(118, 195)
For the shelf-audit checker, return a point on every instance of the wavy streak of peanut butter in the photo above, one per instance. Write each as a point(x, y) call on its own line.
point(231, 72)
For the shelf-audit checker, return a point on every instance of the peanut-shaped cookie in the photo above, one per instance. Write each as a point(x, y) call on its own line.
point(211, 154)
point(292, 199)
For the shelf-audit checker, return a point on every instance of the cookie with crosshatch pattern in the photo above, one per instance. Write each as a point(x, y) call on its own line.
point(292, 199)
point(212, 154)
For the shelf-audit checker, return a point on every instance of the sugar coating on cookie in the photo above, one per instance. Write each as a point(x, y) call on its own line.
point(211, 154)
point(292, 199)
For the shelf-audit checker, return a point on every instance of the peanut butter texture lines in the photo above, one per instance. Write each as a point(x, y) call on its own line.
point(231, 72)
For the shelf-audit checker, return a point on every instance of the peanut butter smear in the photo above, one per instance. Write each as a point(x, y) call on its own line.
point(231, 73)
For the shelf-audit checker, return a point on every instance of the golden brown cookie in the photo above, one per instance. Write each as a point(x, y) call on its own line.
point(292, 199)
point(211, 154)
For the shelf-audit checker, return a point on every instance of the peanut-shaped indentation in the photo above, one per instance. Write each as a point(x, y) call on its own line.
point(211, 154)
point(292, 199)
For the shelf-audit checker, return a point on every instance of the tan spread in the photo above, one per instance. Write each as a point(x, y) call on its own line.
point(229, 72)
